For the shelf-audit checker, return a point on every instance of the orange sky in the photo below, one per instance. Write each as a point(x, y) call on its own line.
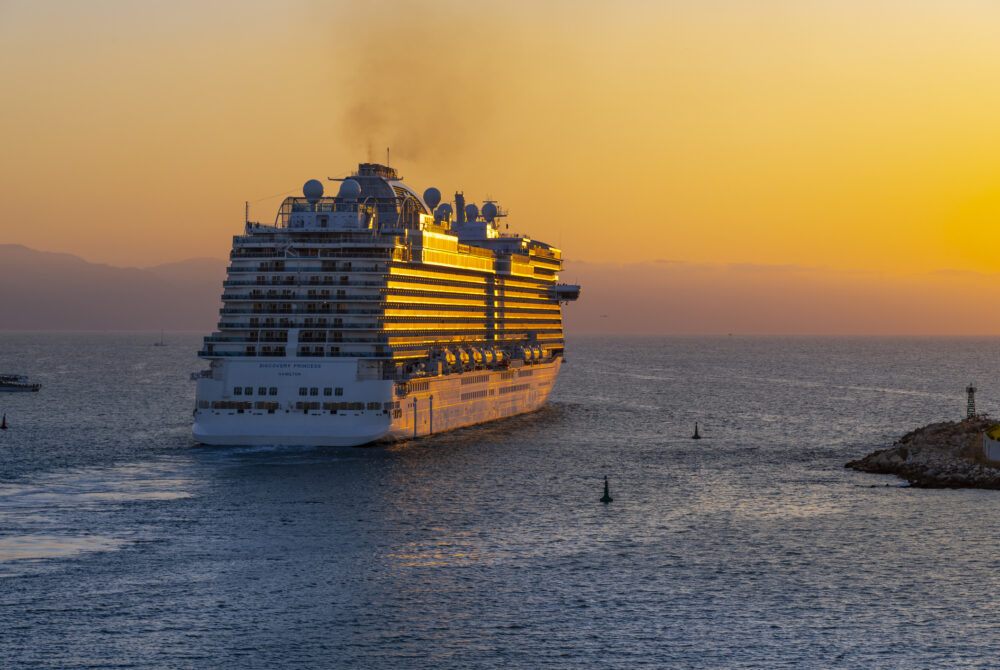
point(843, 135)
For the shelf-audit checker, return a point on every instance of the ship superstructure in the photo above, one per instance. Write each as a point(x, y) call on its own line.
point(379, 313)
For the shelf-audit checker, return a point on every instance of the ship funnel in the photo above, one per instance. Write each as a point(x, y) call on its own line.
point(460, 207)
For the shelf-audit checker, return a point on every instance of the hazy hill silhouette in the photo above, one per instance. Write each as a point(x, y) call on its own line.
point(40, 290)
point(48, 291)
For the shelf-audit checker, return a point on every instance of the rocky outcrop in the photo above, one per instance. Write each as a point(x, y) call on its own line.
point(941, 455)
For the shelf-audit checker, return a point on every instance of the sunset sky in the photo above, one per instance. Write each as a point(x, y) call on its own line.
point(844, 136)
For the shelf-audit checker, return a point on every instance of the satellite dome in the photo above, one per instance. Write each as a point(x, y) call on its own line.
point(471, 212)
point(313, 191)
point(432, 197)
point(443, 211)
point(489, 211)
point(349, 190)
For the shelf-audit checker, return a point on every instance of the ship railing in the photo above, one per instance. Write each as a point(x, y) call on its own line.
point(335, 341)
point(272, 354)
point(356, 269)
point(227, 283)
point(362, 240)
point(252, 297)
point(233, 325)
point(224, 338)
point(305, 311)
point(281, 255)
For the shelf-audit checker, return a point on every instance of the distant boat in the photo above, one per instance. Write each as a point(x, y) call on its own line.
point(160, 343)
point(17, 383)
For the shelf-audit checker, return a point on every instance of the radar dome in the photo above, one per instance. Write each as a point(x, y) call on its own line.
point(471, 212)
point(489, 211)
point(349, 190)
point(432, 197)
point(443, 212)
point(313, 191)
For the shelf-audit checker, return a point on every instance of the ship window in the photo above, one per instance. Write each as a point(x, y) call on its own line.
point(302, 390)
point(338, 391)
point(373, 405)
point(314, 391)
point(328, 391)
point(248, 390)
point(238, 390)
point(262, 390)
point(273, 390)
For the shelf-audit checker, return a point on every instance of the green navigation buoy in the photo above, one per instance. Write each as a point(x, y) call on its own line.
point(696, 436)
point(606, 498)
point(3, 424)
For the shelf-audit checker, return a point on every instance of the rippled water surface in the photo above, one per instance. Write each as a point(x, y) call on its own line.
point(124, 544)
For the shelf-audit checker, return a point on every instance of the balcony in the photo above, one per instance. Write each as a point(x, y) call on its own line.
point(240, 354)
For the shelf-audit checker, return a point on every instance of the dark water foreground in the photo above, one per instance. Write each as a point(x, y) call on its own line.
point(122, 544)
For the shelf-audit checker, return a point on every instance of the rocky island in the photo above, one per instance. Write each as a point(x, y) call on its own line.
point(941, 455)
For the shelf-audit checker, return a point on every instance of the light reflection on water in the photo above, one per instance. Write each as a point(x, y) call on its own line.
point(52, 546)
point(34, 511)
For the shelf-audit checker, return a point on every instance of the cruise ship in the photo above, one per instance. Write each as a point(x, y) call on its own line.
point(379, 314)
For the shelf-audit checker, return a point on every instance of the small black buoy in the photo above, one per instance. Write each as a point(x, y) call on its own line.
point(3, 424)
point(606, 498)
point(696, 436)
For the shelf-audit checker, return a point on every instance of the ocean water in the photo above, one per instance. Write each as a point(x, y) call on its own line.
point(123, 544)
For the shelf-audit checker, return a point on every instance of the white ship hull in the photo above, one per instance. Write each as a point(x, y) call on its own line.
point(391, 410)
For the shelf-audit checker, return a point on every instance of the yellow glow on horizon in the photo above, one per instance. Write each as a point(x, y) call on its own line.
point(841, 135)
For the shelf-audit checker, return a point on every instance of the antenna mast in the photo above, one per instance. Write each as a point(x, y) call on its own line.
point(387, 156)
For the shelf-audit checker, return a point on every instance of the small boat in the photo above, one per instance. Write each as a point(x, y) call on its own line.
point(161, 343)
point(17, 383)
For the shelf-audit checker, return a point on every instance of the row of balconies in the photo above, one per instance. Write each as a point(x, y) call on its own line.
point(337, 238)
point(253, 354)
point(272, 296)
point(237, 325)
point(317, 310)
point(291, 281)
point(349, 312)
point(500, 333)
point(254, 339)
point(281, 254)
point(280, 266)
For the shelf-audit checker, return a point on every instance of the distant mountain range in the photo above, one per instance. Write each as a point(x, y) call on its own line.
point(40, 290)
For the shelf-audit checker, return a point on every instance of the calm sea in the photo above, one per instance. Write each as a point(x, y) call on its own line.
point(124, 544)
